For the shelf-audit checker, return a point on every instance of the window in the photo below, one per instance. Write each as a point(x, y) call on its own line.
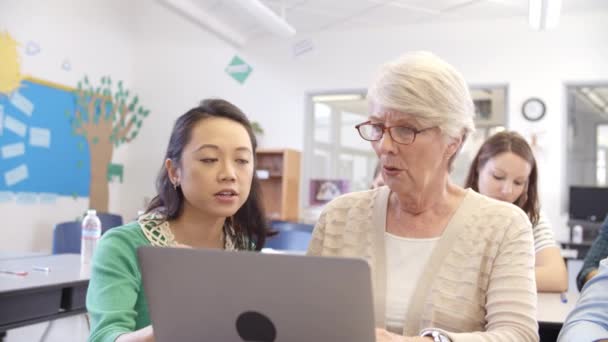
point(334, 150)
point(602, 151)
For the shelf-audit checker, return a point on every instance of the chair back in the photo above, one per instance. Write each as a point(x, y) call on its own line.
point(66, 237)
point(286, 225)
point(109, 221)
point(291, 236)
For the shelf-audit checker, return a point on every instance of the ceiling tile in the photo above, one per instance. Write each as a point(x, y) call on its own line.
point(315, 15)
point(344, 6)
point(429, 6)
point(571, 6)
point(392, 16)
point(307, 21)
point(487, 10)
point(207, 4)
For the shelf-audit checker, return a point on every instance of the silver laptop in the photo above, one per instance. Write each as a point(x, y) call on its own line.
point(217, 296)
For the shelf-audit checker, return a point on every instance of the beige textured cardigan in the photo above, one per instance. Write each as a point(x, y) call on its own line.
point(478, 284)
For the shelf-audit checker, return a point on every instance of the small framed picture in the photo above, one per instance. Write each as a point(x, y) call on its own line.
point(325, 190)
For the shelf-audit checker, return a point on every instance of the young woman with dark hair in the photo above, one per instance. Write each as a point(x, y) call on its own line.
point(505, 169)
point(208, 197)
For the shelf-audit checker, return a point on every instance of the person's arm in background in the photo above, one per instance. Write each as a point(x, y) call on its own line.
point(589, 319)
point(550, 269)
point(597, 252)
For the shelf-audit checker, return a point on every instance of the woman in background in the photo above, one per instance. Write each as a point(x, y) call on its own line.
point(208, 197)
point(505, 169)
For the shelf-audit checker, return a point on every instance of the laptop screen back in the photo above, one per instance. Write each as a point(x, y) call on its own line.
point(211, 295)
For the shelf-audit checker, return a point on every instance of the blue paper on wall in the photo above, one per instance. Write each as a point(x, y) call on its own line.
point(39, 152)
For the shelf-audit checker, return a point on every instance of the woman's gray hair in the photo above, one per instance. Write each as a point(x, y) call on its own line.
point(428, 88)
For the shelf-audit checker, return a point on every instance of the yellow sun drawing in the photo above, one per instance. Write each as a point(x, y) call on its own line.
point(10, 75)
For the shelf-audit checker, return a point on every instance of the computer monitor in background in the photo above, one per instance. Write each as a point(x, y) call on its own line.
point(588, 203)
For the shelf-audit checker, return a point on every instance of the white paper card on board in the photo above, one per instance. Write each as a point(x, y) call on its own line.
point(15, 126)
point(22, 103)
point(13, 150)
point(40, 137)
point(16, 175)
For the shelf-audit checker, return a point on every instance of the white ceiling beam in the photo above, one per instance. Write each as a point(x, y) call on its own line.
point(544, 14)
point(266, 17)
point(200, 16)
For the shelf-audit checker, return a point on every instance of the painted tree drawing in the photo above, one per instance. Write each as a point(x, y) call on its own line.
point(107, 117)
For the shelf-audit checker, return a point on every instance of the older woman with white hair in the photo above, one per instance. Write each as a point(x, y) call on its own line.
point(447, 263)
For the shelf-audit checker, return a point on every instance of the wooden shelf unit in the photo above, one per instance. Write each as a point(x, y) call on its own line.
point(280, 190)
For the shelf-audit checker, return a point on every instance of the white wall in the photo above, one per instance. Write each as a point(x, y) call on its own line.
point(177, 65)
point(492, 52)
point(96, 38)
point(487, 52)
point(173, 64)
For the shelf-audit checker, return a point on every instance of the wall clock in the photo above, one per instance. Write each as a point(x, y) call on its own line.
point(533, 109)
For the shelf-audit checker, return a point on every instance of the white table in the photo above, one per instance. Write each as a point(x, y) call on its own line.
point(41, 296)
point(551, 313)
point(552, 310)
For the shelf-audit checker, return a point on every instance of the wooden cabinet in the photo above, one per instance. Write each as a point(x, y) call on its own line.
point(279, 173)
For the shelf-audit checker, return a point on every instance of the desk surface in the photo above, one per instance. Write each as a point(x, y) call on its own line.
point(41, 296)
point(63, 269)
point(552, 310)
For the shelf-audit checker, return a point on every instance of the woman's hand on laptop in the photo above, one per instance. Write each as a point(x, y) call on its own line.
point(384, 336)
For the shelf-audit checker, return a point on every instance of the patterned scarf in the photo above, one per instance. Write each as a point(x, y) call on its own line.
point(155, 227)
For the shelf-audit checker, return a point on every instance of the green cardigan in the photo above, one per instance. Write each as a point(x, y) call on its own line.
point(115, 299)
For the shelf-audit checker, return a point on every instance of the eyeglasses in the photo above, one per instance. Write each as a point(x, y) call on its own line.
point(400, 134)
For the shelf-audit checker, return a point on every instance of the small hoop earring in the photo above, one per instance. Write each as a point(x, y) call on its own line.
point(175, 185)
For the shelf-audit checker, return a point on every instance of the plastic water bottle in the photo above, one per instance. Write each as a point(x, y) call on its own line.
point(91, 232)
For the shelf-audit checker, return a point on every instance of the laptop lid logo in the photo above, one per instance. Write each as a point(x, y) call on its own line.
point(255, 327)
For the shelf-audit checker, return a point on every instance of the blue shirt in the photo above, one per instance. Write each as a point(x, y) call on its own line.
point(589, 319)
point(597, 252)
